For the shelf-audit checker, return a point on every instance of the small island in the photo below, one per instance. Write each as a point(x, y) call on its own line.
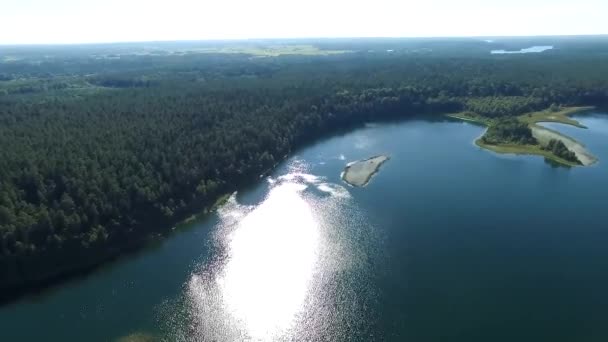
point(522, 135)
point(360, 172)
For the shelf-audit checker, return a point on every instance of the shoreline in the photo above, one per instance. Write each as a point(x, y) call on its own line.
point(94, 260)
point(562, 116)
point(544, 134)
point(531, 150)
point(540, 133)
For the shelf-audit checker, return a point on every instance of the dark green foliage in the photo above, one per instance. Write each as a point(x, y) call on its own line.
point(509, 131)
point(558, 148)
point(98, 154)
point(504, 106)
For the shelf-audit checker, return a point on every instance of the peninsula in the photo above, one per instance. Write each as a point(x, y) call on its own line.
point(523, 135)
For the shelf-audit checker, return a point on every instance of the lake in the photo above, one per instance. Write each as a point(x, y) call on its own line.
point(448, 242)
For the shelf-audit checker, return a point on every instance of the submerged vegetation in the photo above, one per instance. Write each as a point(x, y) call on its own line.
point(105, 146)
point(138, 337)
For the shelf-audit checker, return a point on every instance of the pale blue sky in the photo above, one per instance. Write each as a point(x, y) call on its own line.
point(85, 21)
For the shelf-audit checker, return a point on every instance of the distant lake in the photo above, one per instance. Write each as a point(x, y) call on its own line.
point(448, 242)
point(533, 49)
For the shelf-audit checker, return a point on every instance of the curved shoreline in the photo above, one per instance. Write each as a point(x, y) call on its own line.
point(14, 291)
point(544, 134)
point(541, 133)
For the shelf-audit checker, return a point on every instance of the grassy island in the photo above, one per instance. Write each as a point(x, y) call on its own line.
point(522, 135)
point(360, 172)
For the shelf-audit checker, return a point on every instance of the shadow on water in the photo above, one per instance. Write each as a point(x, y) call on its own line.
point(47, 288)
point(556, 165)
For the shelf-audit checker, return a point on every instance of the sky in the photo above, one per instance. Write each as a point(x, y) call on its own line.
point(93, 21)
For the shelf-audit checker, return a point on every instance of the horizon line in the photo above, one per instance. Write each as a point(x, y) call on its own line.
point(210, 40)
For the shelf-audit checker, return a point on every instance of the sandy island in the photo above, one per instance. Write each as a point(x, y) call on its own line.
point(543, 135)
point(360, 172)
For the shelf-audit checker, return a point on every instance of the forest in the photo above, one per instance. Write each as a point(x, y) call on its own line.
point(558, 148)
point(103, 148)
point(509, 130)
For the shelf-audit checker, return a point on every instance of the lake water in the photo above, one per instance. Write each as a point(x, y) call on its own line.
point(448, 242)
point(533, 49)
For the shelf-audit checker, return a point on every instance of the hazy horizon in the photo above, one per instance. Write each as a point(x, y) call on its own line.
point(230, 40)
point(33, 22)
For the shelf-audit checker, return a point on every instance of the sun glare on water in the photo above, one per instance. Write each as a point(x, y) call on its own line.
point(282, 269)
point(269, 279)
point(271, 262)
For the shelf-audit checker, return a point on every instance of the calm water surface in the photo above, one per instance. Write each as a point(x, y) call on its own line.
point(447, 243)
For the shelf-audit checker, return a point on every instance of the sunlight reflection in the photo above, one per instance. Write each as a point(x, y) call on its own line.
point(274, 274)
point(271, 260)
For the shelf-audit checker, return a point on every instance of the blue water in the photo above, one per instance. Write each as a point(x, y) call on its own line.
point(448, 242)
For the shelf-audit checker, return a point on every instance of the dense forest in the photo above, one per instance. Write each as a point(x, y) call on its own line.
point(103, 148)
point(509, 130)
